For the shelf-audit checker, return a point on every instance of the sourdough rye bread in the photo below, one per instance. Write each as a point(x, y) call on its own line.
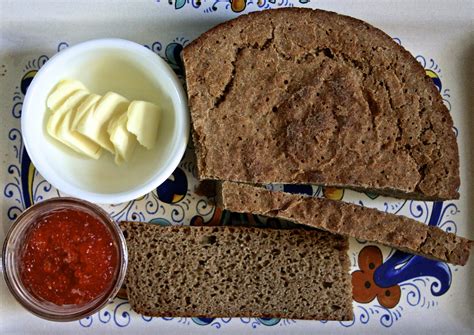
point(237, 272)
point(348, 220)
point(308, 96)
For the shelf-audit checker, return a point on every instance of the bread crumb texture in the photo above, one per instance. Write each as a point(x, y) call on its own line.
point(237, 271)
point(309, 96)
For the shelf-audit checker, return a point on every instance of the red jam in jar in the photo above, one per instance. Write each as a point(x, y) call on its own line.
point(69, 257)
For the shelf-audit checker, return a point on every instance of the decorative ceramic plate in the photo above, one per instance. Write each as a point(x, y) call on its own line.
point(396, 293)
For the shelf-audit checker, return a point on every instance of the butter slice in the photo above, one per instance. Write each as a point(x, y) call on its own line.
point(84, 108)
point(94, 123)
point(143, 121)
point(124, 142)
point(56, 118)
point(62, 91)
point(75, 140)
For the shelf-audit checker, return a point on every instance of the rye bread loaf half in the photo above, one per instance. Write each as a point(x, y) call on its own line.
point(308, 96)
point(236, 271)
point(348, 220)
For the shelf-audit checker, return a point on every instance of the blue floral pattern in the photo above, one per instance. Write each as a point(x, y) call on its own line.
point(236, 6)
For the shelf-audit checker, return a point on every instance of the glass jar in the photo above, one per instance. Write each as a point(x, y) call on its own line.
point(14, 245)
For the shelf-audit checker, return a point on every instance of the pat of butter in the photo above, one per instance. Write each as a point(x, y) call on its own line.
point(94, 123)
point(56, 118)
point(84, 108)
point(88, 123)
point(62, 91)
point(143, 121)
point(124, 142)
point(75, 140)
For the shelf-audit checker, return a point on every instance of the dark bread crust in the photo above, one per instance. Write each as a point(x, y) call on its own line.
point(237, 271)
point(348, 220)
point(333, 101)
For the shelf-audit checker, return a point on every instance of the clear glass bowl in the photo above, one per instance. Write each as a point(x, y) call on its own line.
point(11, 260)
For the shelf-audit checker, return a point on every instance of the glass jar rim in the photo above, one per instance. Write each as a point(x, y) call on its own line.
point(44, 309)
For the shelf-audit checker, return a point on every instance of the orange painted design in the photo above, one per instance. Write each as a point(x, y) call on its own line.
point(216, 218)
point(333, 193)
point(197, 221)
point(238, 5)
point(214, 221)
point(364, 289)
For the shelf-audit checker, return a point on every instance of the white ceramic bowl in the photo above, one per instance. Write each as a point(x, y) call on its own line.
point(136, 73)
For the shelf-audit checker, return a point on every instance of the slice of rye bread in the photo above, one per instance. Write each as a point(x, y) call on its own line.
point(308, 96)
point(348, 220)
point(229, 271)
